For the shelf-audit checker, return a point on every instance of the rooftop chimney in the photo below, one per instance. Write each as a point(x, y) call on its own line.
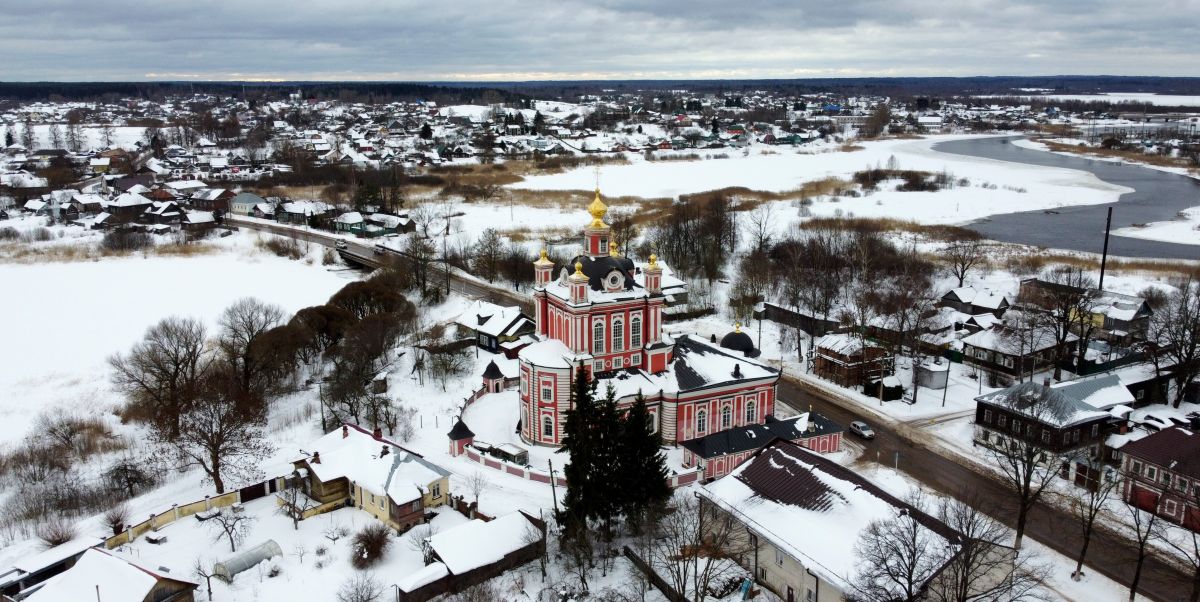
point(1046, 383)
point(345, 431)
point(378, 433)
point(385, 451)
point(316, 458)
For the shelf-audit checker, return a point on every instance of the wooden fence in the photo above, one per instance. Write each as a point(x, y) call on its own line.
point(657, 581)
point(177, 511)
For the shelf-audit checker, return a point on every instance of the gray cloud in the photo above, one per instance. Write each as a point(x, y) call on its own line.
point(569, 39)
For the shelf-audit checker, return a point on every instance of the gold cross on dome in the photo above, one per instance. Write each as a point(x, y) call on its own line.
point(596, 171)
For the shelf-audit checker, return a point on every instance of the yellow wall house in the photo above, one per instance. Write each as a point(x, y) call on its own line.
point(355, 467)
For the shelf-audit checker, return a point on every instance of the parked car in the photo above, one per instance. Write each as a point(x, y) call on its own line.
point(862, 429)
point(340, 245)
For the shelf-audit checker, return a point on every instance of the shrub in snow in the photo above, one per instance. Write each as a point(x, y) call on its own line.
point(360, 588)
point(9, 234)
point(56, 532)
point(119, 240)
point(369, 545)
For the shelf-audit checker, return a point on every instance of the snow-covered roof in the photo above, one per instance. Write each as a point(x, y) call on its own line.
point(1007, 341)
point(489, 318)
point(115, 578)
point(697, 365)
point(1066, 403)
point(129, 199)
point(199, 217)
point(182, 185)
point(985, 298)
point(208, 194)
point(350, 217)
point(56, 554)
point(422, 577)
point(813, 509)
point(358, 456)
point(306, 207)
point(476, 543)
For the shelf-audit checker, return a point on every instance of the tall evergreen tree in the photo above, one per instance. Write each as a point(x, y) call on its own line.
point(606, 458)
point(580, 501)
point(642, 466)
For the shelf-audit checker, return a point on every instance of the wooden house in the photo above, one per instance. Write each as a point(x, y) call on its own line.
point(845, 360)
point(355, 467)
point(1162, 475)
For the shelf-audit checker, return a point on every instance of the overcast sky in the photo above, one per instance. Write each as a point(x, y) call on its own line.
point(600, 39)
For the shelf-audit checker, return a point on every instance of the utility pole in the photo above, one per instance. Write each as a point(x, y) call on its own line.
point(1104, 256)
point(553, 492)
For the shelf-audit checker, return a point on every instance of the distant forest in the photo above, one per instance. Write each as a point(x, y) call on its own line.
point(490, 92)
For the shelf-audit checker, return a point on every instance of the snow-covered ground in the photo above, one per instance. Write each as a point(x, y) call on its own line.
point(62, 320)
point(93, 136)
point(1092, 587)
point(992, 187)
point(1185, 229)
point(1150, 98)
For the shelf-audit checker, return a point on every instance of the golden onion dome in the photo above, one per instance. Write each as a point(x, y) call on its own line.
point(578, 268)
point(598, 210)
point(543, 260)
point(653, 260)
point(612, 249)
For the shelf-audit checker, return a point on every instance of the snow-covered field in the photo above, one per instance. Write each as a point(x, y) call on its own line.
point(61, 320)
point(1162, 100)
point(93, 136)
point(992, 186)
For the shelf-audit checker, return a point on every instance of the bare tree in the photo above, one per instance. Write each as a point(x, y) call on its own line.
point(231, 526)
point(1175, 329)
point(295, 501)
point(161, 375)
point(963, 255)
point(1066, 299)
point(202, 570)
point(759, 225)
point(222, 434)
point(447, 364)
point(1024, 333)
point(1025, 466)
point(476, 483)
point(426, 219)
point(698, 544)
point(1146, 529)
point(983, 568)
point(897, 556)
point(418, 539)
point(56, 136)
point(622, 228)
point(1086, 503)
point(240, 324)
point(361, 587)
point(487, 253)
point(107, 131)
point(74, 134)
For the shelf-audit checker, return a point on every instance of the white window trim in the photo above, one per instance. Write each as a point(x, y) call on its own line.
point(618, 335)
point(598, 342)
